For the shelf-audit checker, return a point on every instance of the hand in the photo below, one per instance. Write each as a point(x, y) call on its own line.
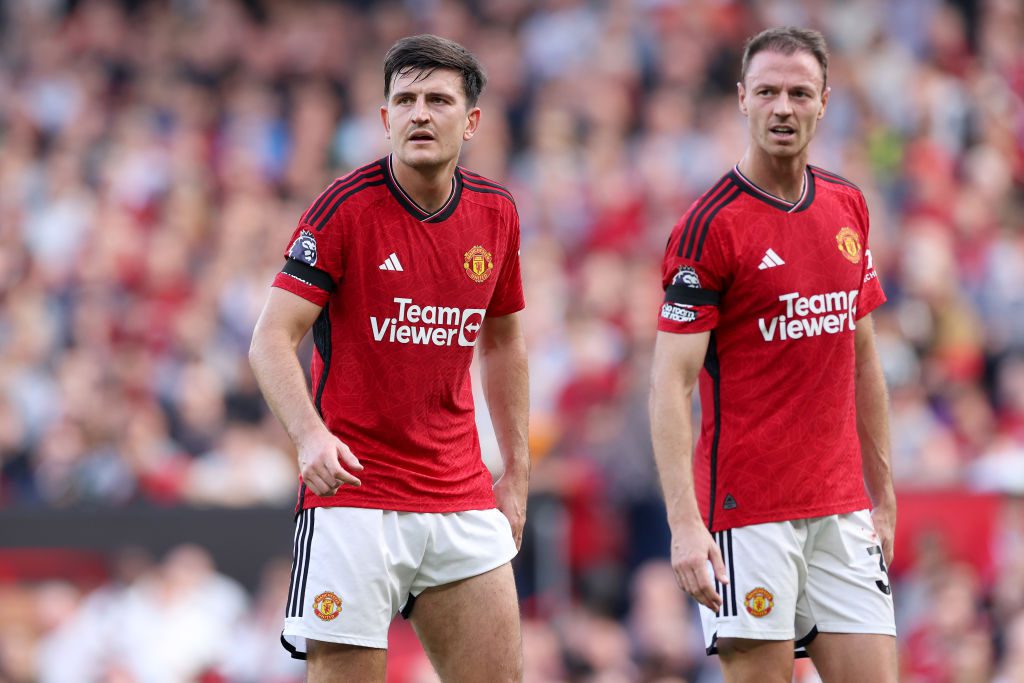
point(321, 457)
point(883, 517)
point(692, 547)
point(510, 493)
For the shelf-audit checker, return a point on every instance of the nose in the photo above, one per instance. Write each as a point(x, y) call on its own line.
point(420, 111)
point(783, 107)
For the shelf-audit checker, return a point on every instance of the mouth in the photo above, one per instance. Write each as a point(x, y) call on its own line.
point(783, 132)
point(421, 136)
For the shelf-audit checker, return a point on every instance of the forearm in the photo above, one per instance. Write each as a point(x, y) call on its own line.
point(272, 356)
point(672, 437)
point(505, 381)
point(873, 424)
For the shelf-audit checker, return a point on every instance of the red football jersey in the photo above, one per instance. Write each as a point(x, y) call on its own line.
point(405, 293)
point(780, 286)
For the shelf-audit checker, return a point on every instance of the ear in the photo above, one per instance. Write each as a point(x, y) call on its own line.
point(386, 121)
point(741, 94)
point(472, 122)
point(824, 102)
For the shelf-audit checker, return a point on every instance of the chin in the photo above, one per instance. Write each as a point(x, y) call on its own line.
point(422, 159)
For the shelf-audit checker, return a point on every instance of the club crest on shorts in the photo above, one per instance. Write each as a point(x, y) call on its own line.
point(849, 244)
point(327, 606)
point(304, 248)
point(759, 602)
point(478, 264)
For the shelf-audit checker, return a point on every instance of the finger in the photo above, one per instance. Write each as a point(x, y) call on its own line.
point(348, 458)
point(711, 597)
point(338, 475)
point(317, 484)
point(718, 564)
point(342, 477)
point(705, 592)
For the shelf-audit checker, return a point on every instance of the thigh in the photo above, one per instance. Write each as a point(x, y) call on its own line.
point(470, 628)
point(848, 589)
point(766, 569)
point(347, 579)
point(854, 657)
point(338, 663)
point(756, 661)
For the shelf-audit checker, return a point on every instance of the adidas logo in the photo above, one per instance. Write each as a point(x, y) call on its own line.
point(770, 260)
point(391, 263)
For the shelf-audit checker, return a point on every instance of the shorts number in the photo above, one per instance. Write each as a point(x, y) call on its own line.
point(882, 585)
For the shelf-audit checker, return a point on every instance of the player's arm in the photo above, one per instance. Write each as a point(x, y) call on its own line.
point(283, 323)
point(677, 362)
point(505, 379)
point(873, 431)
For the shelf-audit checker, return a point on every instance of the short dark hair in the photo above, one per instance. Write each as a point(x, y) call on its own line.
point(427, 52)
point(787, 40)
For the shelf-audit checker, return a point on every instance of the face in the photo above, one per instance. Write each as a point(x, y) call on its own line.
point(427, 120)
point(783, 99)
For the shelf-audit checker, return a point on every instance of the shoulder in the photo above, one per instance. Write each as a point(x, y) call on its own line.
point(486, 191)
point(350, 191)
point(707, 216)
point(832, 182)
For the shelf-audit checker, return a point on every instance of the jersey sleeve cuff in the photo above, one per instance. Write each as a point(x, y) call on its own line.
point(507, 309)
point(870, 302)
point(683, 319)
point(291, 283)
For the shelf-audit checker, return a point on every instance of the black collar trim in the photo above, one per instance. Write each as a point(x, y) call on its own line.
point(801, 204)
point(414, 209)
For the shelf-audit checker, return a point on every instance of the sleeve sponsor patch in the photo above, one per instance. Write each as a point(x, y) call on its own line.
point(679, 313)
point(304, 248)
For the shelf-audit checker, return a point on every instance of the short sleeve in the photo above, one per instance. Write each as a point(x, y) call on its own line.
point(694, 275)
point(871, 294)
point(508, 292)
point(313, 263)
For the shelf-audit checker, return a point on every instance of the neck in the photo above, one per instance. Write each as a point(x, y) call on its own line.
point(429, 187)
point(782, 176)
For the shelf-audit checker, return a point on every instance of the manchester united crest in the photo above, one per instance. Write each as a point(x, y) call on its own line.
point(327, 606)
point(849, 244)
point(759, 602)
point(478, 264)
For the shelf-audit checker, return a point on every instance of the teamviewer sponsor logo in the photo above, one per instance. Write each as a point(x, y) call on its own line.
point(428, 325)
point(811, 316)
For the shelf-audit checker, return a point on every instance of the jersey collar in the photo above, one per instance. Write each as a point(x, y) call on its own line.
point(804, 202)
point(414, 209)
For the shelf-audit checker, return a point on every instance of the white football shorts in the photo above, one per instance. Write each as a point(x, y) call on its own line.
point(353, 569)
point(792, 580)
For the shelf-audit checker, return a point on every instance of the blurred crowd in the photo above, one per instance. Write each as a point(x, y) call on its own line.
point(156, 156)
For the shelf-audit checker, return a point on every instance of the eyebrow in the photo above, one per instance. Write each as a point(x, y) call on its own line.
point(803, 85)
point(433, 93)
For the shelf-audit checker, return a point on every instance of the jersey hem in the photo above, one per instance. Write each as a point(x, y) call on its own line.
point(393, 506)
point(770, 517)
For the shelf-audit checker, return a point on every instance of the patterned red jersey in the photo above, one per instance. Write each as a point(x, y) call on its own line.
point(404, 294)
point(780, 286)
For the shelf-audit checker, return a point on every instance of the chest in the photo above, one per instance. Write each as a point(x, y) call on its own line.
point(455, 263)
point(800, 265)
